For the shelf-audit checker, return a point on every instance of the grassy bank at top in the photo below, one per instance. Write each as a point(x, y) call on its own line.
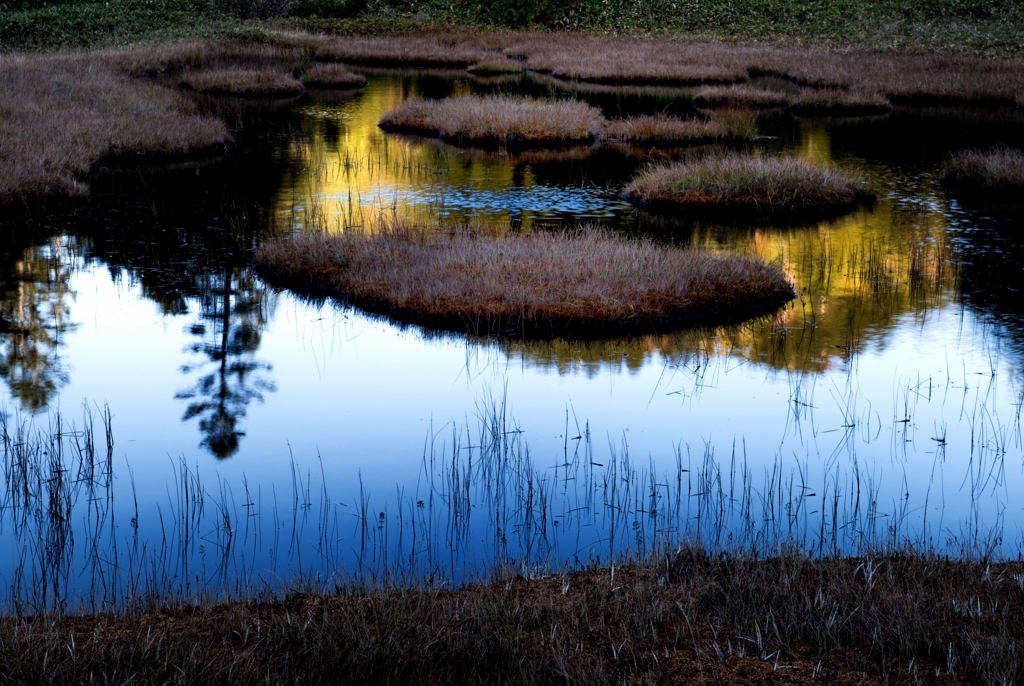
point(988, 27)
point(684, 618)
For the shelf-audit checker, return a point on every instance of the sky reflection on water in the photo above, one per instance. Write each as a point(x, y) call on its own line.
point(899, 359)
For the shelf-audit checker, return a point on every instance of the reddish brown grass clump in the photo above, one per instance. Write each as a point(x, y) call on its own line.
point(997, 172)
point(332, 76)
point(585, 283)
point(59, 114)
point(244, 83)
point(497, 120)
point(749, 185)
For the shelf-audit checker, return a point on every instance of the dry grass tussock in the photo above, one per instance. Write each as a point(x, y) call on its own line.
point(493, 65)
point(997, 171)
point(685, 618)
point(585, 283)
point(806, 101)
point(749, 185)
point(743, 95)
point(725, 125)
point(497, 120)
point(489, 120)
point(244, 83)
point(332, 76)
point(59, 114)
point(615, 60)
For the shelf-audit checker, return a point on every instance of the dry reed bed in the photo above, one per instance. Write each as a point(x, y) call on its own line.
point(332, 76)
point(244, 83)
point(497, 120)
point(687, 617)
point(60, 114)
point(897, 77)
point(996, 172)
point(749, 186)
point(583, 283)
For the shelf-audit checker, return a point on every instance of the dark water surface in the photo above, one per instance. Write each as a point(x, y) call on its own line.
point(894, 379)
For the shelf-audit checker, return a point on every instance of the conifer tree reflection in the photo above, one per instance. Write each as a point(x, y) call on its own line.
point(233, 311)
point(34, 311)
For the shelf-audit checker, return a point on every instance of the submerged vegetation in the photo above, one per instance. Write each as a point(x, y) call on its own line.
point(998, 172)
point(583, 283)
point(749, 186)
point(244, 83)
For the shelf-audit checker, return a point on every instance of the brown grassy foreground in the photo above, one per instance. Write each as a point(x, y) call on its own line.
point(332, 76)
point(749, 185)
point(244, 83)
point(583, 283)
point(497, 120)
point(686, 618)
point(995, 172)
point(60, 114)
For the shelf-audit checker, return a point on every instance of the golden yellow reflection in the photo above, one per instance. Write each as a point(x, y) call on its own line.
point(34, 318)
point(857, 277)
point(351, 173)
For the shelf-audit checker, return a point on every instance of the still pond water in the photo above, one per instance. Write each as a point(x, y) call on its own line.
point(896, 377)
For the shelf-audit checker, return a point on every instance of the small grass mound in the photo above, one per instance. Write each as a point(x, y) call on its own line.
point(805, 102)
point(495, 66)
point(497, 120)
point(332, 76)
point(749, 186)
point(995, 172)
point(244, 83)
point(661, 129)
point(837, 102)
point(585, 283)
point(623, 70)
point(741, 95)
